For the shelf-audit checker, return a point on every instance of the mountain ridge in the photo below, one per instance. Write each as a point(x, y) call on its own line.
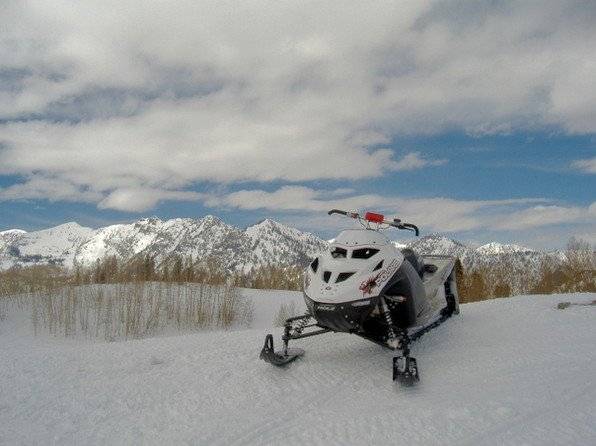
point(210, 239)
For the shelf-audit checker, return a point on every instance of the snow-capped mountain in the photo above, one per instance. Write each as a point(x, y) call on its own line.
point(481, 256)
point(274, 243)
point(519, 264)
point(440, 245)
point(200, 239)
point(208, 239)
point(57, 245)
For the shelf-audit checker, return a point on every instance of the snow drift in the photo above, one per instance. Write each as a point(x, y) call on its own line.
point(507, 371)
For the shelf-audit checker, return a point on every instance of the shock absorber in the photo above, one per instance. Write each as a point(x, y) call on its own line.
point(289, 330)
point(392, 340)
point(303, 323)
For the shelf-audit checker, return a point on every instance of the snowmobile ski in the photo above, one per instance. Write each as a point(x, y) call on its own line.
point(405, 370)
point(278, 358)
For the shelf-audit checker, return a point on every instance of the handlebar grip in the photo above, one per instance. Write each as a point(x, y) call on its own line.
point(413, 227)
point(337, 211)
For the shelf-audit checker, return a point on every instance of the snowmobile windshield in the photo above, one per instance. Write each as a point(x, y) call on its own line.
point(364, 253)
point(339, 253)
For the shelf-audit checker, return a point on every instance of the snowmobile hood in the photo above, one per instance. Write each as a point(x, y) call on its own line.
point(357, 266)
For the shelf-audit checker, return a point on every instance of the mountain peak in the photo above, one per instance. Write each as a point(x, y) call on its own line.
point(435, 236)
point(149, 221)
point(212, 219)
point(495, 248)
point(70, 227)
point(267, 222)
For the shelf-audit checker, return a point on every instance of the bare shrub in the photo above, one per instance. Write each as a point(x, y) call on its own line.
point(125, 311)
point(286, 310)
point(19, 280)
point(550, 278)
point(271, 277)
point(579, 267)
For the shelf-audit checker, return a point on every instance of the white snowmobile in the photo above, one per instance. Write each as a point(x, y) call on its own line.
point(366, 286)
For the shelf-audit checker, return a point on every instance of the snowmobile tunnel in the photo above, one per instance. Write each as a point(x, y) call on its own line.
point(406, 283)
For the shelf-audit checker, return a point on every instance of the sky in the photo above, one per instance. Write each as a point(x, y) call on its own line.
point(476, 119)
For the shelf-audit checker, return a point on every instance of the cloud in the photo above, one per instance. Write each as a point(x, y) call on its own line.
point(52, 189)
point(586, 165)
point(538, 216)
point(435, 214)
point(109, 97)
point(139, 200)
point(413, 161)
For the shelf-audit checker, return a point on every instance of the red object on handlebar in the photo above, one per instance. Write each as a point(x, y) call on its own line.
point(374, 218)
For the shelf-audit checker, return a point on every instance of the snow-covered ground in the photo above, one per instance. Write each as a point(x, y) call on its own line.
point(510, 371)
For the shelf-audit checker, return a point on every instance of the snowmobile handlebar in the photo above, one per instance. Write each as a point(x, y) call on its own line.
point(372, 217)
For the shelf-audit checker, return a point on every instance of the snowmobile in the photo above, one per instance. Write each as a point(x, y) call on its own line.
point(366, 286)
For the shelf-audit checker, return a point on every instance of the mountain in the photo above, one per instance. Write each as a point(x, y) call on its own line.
point(440, 245)
point(274, 243)
point(205, 239)
point(209, 239)
point(519, 264)
point(57, 245)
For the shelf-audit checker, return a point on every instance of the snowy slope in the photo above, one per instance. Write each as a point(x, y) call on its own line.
point(199, 239)
point(277, 244)
point(438, 244)
point(495, 248)
point(510, 371)
point(54, 245)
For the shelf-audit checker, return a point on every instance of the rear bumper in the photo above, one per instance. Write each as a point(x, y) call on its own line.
point(342, 317)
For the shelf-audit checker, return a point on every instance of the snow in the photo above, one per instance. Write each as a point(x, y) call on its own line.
point(399, 244)
point(53, 244)
point(12, 232)
point(509, 371)
point(495, 248)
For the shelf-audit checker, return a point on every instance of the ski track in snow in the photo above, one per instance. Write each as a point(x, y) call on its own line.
point(509, 371)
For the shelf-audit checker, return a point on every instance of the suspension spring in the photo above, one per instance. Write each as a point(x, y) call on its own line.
point(392, 340)
point(303, 323)
point(297, 330)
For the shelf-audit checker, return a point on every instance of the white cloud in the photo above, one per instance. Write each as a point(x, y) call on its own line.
point(138, 200)
point(538, 216)
point(48, 188)
point(586, 165)
point(128, 96)
point(413, 161)
point(435, 214)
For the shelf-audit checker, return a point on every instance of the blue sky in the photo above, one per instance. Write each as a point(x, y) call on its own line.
point(474, 119)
